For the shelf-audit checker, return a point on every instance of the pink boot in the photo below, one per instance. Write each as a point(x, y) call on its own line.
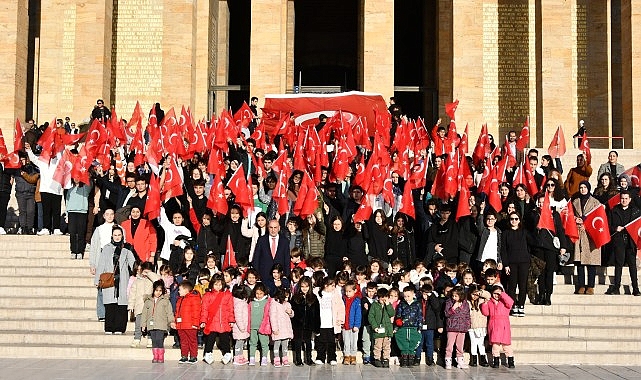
point(240, 360)
point(161, 355)
point(155, 352)
point(285, 361)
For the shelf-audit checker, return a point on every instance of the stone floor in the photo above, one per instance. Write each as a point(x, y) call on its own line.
point(105, 369)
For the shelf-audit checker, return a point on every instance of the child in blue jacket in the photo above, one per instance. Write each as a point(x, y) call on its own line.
point(352, 323)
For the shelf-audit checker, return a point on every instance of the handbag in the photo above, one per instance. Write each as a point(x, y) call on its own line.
point(106, 280)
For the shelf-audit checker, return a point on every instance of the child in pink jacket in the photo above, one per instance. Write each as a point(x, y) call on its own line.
point(240, 332)
point(280, 315)
point(498, 327)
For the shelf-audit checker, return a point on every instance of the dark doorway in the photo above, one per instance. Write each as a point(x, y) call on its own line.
point(239, 42)
point(326, 43)
point(415, 48)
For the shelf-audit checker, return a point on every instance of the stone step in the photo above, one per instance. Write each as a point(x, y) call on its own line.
point(39, 312)
point(593, 345)
point(536, 356)
point(76, 338)
point(595, 307)
point(60, 326)
point(88, 350)
point(73, 271)
point(38, 247)
point(48, 302)
point(575, 320)
point(582, 332)
point(34, 281)
point(57, 262)
point(54, 291)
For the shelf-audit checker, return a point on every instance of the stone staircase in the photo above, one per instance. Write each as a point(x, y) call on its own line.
point(47, 310)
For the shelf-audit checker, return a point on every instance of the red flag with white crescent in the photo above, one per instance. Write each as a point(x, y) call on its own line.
point(595, 223)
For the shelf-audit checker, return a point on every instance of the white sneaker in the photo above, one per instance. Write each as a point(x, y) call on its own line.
point(333, 362)
point(209, 358)
point(2, 231)
point(57, 232)
point(135, 343)
point(226, 358)
point(318, 362)
point(42, 232)
point(19, 231)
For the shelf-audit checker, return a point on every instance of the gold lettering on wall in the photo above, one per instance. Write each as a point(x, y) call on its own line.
point(513, 64)
point(138, 38)
point(581, 18)
point(68, 60)
point(490, 64)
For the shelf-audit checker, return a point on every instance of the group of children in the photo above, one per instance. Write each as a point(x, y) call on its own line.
point(392, 318)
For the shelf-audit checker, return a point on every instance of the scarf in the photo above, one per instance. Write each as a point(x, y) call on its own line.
point(116, 262)
point(134, 226)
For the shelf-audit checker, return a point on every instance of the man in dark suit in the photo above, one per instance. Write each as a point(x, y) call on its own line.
point(271, 249)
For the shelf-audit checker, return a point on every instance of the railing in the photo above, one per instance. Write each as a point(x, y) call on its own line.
point(609, 138)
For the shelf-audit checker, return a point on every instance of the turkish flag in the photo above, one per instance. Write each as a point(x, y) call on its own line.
point(17, 136)
point(482, 148)
point(494, 198)
point(136, 119)
point(230, 255)
point(382, 126)
point(12, 161)
point(557, 146)
point(361, 137)
point(615, 200)
point(280, 165)
point(68, 139)
point(585, 147)
point(116, 128)
point(80, 168)
point(524, 137)
point(463, 206)
point(243, 116)
point(418, 177)
point(596, 225)
point(569, 222)
point(363, 212)
point(238, 185)
point(635, 175)
point(173, 185)
point(3, 146)
point(216, 200)
point(450, 109)
point(62, 172)
point(546, 221)
point(450, 182)
point(280, 193)
point(388, 189)
point(259, 136)
point(152, 207)
point(407, 203)
point(463, 145)
point(529, 178)
point(634, 229)
point(307, 200)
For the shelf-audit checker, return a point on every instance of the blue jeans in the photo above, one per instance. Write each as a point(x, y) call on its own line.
point(427, 340)
point(100, 307)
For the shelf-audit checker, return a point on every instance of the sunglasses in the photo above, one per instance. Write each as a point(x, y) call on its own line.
point(550, 185)
point(517, 219)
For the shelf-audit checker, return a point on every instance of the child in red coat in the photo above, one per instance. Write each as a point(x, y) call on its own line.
point(217, 317)
point(187, 321)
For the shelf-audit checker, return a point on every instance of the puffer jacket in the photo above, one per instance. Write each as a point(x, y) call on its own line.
point(159, 312)
point(241, 318)
point(457, 320)
point(380, 316)
point(306, 316)
point(217, 312)
point(314, 240)
point(354, 319)
point(432, 315)
point(280, 321)
point(410, 314)
point(188, 311)
point(141, 287)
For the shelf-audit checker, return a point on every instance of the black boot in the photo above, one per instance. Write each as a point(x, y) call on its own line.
point(473, 361)
point(483, 361)
point(510, 362)
point(417, 361)
point(308, 355)
point(297, 360)
point(495, 362)
point(377, 363)
point(429, 361)
point(548, 299)
point(403, 361)
point(385, 363)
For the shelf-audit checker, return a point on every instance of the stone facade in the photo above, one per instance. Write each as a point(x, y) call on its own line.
point(556, 61)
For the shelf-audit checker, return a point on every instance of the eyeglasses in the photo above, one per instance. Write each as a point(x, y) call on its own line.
point(492, 219)
point(550, 185)
point(517, 219)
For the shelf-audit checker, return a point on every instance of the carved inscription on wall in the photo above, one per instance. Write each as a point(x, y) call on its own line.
point(581, 18)
point(490, 63)
point(68, 60)
point(513, 63)
point(138, 42)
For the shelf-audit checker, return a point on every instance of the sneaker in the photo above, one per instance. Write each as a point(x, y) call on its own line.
point(74, 256)
point(135, 343)
point(183, 359)
point(101, 319)
point(264, 361)
point(118, 333)
point(277, 362)
point(227, 358)
point(240, 360)
point(333, 362)
point(318, 362)
point(193, 360)
point(19, 231)
point(252, 361)
point(209, 358)
point(2, 231)
point(42, 232)
point(522, 311)
point(285, 362)
point(149, 343)
point(108, 332)
point(57, 232)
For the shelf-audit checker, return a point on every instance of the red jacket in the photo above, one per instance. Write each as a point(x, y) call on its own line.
point(217, 311)
point(188, 311)
point(144, 241)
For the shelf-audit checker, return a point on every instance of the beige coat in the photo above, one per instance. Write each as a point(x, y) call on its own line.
point(141, 287)
point(584, 250)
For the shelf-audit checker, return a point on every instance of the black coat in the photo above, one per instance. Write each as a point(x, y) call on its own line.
point(446, 235)
point(378, 240)
point(306, 315)
point(356, 246)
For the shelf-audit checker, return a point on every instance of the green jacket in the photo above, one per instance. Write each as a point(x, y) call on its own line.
point(381, 317)
point(161, 313)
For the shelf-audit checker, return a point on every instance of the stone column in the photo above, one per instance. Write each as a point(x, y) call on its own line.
point(13, 55)
point(222, 55)
point(376, 58)
point(558, 69)
point(268, 48)
point(75, 58)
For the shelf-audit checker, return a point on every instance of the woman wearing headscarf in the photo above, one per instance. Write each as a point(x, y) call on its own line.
point(586, 256)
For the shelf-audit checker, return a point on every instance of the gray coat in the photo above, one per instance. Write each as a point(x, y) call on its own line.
point(105, 265)
point(605, 168)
